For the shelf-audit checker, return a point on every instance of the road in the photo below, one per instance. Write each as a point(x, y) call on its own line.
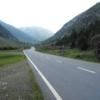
point(67, 79)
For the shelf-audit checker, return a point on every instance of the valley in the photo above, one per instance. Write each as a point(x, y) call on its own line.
point(39, 64)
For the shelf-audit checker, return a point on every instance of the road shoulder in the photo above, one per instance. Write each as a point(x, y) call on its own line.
point(17, 82)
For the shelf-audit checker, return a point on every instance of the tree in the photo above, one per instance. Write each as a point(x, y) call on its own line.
point(95, 43)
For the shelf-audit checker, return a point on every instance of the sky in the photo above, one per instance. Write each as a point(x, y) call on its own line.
point(49, 14)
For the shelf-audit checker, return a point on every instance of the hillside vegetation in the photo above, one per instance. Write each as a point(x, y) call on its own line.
point(79, 32)
point(9, 38)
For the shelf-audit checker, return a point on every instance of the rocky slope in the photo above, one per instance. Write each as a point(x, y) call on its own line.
point(80, 30)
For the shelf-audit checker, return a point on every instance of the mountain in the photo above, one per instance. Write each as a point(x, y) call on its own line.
point(14, 37)
point(40, 34)
point(80, 30)
point(6, 38)
point(20, 35)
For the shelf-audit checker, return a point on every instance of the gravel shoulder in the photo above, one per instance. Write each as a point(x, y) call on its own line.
point(16, 82)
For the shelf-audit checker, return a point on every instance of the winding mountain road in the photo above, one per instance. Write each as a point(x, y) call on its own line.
point(67, 79)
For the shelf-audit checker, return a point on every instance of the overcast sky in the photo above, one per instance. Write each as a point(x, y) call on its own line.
point(49, 14)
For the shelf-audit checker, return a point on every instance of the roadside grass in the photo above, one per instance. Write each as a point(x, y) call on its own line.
point(9, 57)
point(88, 55)
point(35, 87)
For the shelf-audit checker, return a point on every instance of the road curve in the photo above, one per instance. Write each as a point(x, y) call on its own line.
point(68, 79)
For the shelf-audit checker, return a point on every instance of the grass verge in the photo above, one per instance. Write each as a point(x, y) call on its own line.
point(35, 87)
point(72, 53)
point(10, 57)
point(7, 57)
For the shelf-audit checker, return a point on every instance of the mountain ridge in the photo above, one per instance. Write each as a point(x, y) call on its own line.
point(20, 35)
point(86, 24)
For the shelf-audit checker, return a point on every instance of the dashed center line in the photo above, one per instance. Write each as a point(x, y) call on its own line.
point(90, 71)
point(59, 61)
point(47, 57)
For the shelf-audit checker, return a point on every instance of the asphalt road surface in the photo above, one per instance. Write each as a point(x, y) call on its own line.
point(67, 79)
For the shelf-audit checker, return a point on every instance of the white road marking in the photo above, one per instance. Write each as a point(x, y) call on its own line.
point(47, 57)
point(90, 71)
point(59, 61)
point(57, 96)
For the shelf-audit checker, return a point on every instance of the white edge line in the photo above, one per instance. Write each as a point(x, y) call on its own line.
point(57, 96)
point(93, 72)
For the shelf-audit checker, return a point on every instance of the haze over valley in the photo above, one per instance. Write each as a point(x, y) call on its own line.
point(14, 37)
point(40, 34)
